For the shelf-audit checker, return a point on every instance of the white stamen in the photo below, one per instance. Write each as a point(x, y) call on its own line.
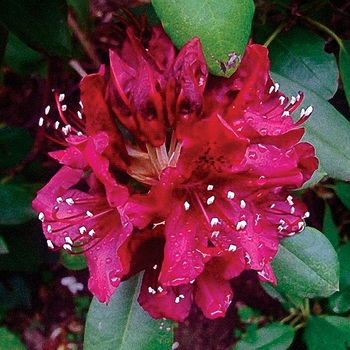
point(272, 88)
point(290, 200)
point(241, 225)
point(302, 112)
point(50, 244)
point(232, 248)
point(41, 216)
point(277, 86)
point(177, 300)
point(89, 214)
point(41, 121)
point(301, 225)
point(68, 240)
point(298, 97)
point(210, 200)
point(307, 214)
point(151, 290)
point(181, 296)
point(91, 232)
point(57, 124)
point(230, 195)
point(82, 230)
point(293, 100)
point(243, 204)
point(64, 107)
point(214, 221)
point(285, 114)
point(187, 205)
point(160, 289)
point(61, 97)
point(215, 234)
point(210, 187)
point(80, 116)
point(67, 246)
point(292, 210)
point(49, 228)
point(59, 200)
point(69, 201)
point(155, 267)
point(282, 99)
point(272, 205)
point(308, 111)
point(81, 104)
point(47, 110)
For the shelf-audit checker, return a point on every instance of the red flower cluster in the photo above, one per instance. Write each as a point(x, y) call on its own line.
point(179, 174)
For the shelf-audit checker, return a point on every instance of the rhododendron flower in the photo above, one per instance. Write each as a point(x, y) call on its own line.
point(192, 187)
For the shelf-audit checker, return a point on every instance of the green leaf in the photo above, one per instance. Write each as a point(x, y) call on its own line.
point(274, 336)
point(326, 129)
point(73, 262)
point(299, 56)
point(22, 59)
point(15, 205)
point(9, 340)
point(41, 26)
point(344, 66)
point(342, 190)
point(306, 266)
point(340, 302)
point(223, 26)
point(330, 332)
point(124, 325)
point(330, 230)
point(3, 246)
point(12, 151)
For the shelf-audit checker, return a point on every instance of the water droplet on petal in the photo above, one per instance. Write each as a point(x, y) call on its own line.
point(185, 264)
point(263, 131)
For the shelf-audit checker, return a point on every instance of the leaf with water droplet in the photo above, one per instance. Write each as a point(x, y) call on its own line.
point(223, 27)
point(124, 325)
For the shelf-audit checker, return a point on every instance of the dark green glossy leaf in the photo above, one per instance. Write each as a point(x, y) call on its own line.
point(342, 189)
point(73, 262)
point(22, 59)
point(12, 151)
point(124, 325)
point(329, 228)
point(327, 130)
point(41, 26)
point(274, 336)
point(330, 332)
point(344, 66)
point(306, 265)
point(9, 340)
point(299, 56)
point(3, 246)
point(3, 41)
point(340, 302)
point(222, 25)
point(15, 204)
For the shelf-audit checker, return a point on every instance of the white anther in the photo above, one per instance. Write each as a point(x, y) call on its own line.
point(81, 104)
point(277, 86)
point(290, 200)
point(64, 107)
point(80, 116)
point(243, 204)
point(69, 201)
point(272, 88)
point(230, 195)
point(306, 215)
point(49, 228)
point(272, 205)
point(61, 97)
point(187, 205)
point(67, 246)
point(91, 232)
point(301, 225)
point(215, 234)
point(41, 121)
point(82, 230)
point(210, 187)
point(151, 290)
point(68, 240)
point(292, 210)
point(41, 216)
point(214, 221)
point(56, 125)
point(308, 111)
point(285, 114)
point(293, 100)
point(155, 267)
point(282, 99)
point(47, 110)
point(89, 214)
point(241, 225)
point(210, 200)
point(232, 248)
point(59, 200)
point(177, 300)
point(160, 289)
point(50, 244)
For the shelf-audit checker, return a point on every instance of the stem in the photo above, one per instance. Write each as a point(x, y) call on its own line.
point(88, 47)
point(274, 34)
point(325, 29)
point(306, 310)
